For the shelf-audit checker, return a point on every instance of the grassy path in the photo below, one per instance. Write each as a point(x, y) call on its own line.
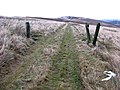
point(65, 73)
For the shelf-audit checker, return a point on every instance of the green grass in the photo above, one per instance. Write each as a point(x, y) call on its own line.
point(65, 73)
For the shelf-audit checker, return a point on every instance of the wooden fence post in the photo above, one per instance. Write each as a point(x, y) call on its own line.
point(28, 29)
point(88, 33)
point(96, 34)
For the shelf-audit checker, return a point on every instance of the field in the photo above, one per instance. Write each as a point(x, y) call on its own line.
point(57, 56)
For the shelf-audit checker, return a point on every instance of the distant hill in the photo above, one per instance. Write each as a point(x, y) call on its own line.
point(114, 21)
point(91, 21)
point(73, 19)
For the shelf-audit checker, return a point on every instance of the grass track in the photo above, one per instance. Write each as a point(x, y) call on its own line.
point(65, 73)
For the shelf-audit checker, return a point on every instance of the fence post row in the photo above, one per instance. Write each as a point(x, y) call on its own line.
point(28, 29)
point(88, 33)
point(96, 34)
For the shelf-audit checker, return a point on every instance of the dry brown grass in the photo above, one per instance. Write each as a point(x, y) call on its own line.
point(110, 39)
point(13, 41)
point(107, 57)
point(12, 31)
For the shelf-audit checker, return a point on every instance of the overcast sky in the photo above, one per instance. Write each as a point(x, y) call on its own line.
point(96, 9)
